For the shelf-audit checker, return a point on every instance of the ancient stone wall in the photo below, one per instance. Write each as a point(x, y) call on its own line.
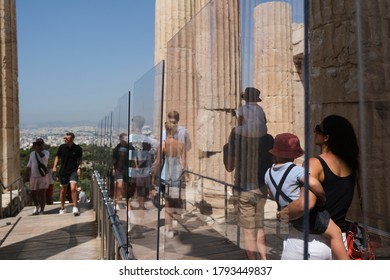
point(9, 100)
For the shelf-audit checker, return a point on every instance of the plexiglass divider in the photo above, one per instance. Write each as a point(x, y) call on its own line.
point(145, 130)
point(125, 148)
point(210, 63)
point(196, 199)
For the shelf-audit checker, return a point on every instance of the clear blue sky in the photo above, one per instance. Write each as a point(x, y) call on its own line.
point(76, 58)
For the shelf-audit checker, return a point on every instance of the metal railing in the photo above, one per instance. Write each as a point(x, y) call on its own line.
point(16, 190)
point(113, 238)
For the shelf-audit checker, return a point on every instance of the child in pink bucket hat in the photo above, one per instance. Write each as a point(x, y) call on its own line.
point(285, 182)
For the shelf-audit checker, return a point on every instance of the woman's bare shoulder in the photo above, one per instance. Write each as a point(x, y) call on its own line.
point(315, 167)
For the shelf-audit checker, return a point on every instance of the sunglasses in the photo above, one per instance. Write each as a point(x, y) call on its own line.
point(317, 129)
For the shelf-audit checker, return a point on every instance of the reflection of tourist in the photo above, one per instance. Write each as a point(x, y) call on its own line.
point(140, 162)
point(120, 169)
point(174, 164)
point(181, 132)
point(247, 153)
point(336, 168)
point(146, 130)
point(251, 117)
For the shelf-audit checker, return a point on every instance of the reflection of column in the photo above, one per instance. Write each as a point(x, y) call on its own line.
point(273, 63)
point(334, 81)
point(170, 17)
point(203, 78)
point(218, 70)
point(298, 119)
point(9, 101)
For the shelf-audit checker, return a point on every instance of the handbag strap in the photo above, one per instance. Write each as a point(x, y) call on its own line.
point(40, 164)
point(359, 191)
point(38, 161)
point(278, 187)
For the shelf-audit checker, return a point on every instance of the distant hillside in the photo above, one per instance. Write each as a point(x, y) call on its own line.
point(58, 124)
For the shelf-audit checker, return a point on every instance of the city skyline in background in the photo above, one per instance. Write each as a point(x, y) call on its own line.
point(76, 58)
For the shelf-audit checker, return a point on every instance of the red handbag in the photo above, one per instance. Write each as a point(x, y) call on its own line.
point(360, 246)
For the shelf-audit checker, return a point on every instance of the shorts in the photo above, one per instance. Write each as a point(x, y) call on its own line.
point(140, 185)
point(121, 176)
point(39, 183)
point(320, 221)
point(66, 179)
point(251, 209)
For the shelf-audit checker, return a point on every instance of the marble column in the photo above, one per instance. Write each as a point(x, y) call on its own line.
point(9, 100)
point(170, 17)
point(203, 78)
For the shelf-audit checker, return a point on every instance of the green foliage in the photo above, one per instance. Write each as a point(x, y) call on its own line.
point(24, 156)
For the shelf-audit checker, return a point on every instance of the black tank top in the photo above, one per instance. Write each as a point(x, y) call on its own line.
point(339, 194)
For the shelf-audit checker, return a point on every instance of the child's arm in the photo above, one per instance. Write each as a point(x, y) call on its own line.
point(316, 187)
point(296, 208)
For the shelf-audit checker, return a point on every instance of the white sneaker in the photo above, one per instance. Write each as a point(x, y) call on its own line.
point(62, 211)
point(36, 210)
point(75, 211)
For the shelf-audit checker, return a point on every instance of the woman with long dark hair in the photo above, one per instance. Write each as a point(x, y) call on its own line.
point(337, 169)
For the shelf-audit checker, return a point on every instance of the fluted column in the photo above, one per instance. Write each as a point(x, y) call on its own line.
point(218, 69)
point(273, 62)
point(203, 79)
point(9, 100)
point(298, 92)
point(170, 17)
